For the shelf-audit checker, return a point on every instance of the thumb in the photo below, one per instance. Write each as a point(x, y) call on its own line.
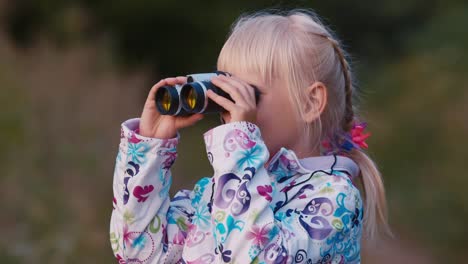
point(188, 120)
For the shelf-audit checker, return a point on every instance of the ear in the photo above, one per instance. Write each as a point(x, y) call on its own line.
point(316, 100)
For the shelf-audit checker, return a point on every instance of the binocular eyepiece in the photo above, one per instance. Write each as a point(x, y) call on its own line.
point(191, 98)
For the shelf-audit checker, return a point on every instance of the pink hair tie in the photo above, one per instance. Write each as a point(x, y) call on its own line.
point(352, 139)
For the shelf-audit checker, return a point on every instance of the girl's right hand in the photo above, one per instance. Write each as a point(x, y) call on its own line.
point(155, 125)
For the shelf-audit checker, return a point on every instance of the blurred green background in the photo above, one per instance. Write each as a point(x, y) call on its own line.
point(72, 71)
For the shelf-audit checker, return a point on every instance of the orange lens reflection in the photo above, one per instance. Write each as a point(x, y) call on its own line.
point(166, 101)
point(192, 98)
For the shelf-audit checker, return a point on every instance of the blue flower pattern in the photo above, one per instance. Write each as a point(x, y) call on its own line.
point(137, 152)
point(251, 157)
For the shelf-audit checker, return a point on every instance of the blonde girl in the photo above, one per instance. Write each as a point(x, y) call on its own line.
point(285, 169)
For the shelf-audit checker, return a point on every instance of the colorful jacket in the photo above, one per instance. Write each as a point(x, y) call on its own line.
point(292, 211)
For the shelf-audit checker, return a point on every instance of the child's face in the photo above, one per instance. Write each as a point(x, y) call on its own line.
point(275, 115)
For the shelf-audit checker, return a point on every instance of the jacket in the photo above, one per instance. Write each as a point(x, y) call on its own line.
point(291, 211)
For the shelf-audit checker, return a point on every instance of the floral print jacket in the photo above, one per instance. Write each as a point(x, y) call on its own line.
point(286, 212)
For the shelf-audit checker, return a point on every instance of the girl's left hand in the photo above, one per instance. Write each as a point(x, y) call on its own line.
point(244, 107)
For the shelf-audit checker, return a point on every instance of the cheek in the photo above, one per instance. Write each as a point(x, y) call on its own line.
point(276, 121)
point(277, 111)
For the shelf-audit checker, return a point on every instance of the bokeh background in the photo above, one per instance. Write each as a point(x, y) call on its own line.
point(72, 71)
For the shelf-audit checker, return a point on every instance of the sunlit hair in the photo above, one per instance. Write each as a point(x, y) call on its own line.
point(295, 49)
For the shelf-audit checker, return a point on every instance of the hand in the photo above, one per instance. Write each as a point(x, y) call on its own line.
point(244, 107)
point(153, 124)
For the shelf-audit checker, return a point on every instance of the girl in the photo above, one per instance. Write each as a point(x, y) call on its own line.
point(285, 170)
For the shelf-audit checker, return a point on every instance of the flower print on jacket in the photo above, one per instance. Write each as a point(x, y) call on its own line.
point(265, 191)
point(199, 190)
point(285, 167)
point(225, 254)
point(259, 235)
point(250, 157)
point(201, 216)
point(236, 199)
point(131, 171)
point(244, 213)
point(137, 152)
point(142, 192)
point(235, 138)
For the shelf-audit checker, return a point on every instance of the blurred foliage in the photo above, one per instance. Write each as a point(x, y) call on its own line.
point(157, 32)
point(422, 139)
point(68, 79)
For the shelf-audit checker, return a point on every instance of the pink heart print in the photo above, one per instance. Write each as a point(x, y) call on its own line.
point(142, 193)
point(265, 191)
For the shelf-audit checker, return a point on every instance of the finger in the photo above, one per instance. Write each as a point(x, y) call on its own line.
point(167, 81)
point(251, 91)
point(225, 117)
point(237, 84)
point(152, 92)
point(244, 88)
point(176, 80)
point(221, 119)
point(222, 101)
point(171, 80)
point(180, 80)
point(182, 122)
point(224, 85)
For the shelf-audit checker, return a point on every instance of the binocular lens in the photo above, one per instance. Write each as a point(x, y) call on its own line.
point(194, 98)
point(191, 98)
point(166, 100)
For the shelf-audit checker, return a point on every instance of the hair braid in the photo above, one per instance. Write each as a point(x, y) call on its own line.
point(349, 110)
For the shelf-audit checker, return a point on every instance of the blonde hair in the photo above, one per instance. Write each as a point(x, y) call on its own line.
point(296, 48)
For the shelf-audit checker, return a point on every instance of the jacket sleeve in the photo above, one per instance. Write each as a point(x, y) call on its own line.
point(146, 226)
point(315, 224)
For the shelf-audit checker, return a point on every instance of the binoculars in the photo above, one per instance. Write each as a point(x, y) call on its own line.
point(191, 98)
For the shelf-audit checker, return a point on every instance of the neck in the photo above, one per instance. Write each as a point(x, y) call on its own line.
point(305, 154)
point(305, 150)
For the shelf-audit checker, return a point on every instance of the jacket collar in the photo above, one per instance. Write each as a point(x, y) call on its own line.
point(285, 164)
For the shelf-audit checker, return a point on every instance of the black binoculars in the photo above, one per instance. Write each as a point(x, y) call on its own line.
point(191, 98)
